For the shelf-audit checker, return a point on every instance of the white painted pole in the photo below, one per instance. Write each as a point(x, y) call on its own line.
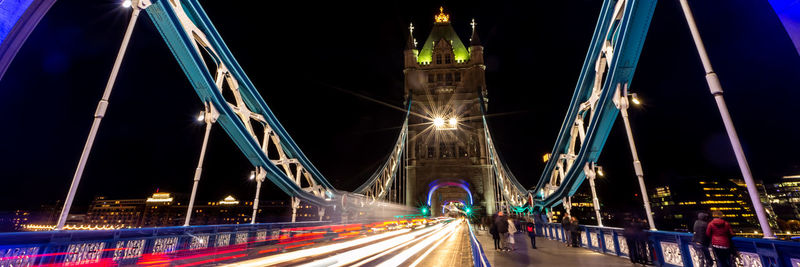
point(295, 204)
point(98, 117)
point(208, 117)
point(637, 165)
point(716, 91)
point(255, 201)
point(591, 173)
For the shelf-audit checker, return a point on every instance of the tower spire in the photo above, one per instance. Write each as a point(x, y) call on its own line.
point(442, 17)
point(474, 40)
point(411, 43)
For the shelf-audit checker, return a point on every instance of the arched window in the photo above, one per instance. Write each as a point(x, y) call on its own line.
point(438, 59)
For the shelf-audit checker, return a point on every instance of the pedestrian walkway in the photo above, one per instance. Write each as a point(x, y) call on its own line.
point(549, 253)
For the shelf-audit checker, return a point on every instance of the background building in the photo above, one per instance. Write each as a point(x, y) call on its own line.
point(675, 206)
point(784, 197)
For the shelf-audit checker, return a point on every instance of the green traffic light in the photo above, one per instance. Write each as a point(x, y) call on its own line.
point(468, 210)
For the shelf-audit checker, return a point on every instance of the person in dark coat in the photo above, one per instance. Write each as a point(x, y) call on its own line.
point(641, 242)
point(501, 223)
point(495, 235)
point(700, 240)
point(721, 233)
point(575, 231)
point(531, 229)
point(631, 234)
point(566, 225)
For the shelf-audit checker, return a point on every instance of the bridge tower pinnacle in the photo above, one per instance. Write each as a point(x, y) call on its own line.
point(447, 157)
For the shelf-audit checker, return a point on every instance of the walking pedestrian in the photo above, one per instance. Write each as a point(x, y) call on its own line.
point(631, 233)
point(700, 240)
point(721, 233)
point(575, 230)
point(642, 238)
point(512, 229)
point(495, 235)
point(565, 225)
point(531, 228)
point(502, 228)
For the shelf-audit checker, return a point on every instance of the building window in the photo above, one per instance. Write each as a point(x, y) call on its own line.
point(438, 59)
point(458, 76)
point(430, 152)
point(449, 79)
point(430, 78)
point(447, 59)
point(439, 77)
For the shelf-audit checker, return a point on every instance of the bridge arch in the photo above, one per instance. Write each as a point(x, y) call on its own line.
point(448, 183)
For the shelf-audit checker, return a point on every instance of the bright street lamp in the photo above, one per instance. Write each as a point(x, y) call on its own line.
point(127, 3)
point(453, 121)
point(635, 99)
point(438, 122)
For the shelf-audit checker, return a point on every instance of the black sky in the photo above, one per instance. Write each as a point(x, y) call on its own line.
point(297, 53)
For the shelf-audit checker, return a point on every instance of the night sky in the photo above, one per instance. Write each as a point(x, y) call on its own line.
point(303, 57)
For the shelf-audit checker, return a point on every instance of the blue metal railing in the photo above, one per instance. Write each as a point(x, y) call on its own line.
point(174, 245)
point(675, 248)
point(478, 256)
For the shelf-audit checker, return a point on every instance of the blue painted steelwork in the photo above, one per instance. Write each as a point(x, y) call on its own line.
point(675, 248)
point(478, 256)
point(18, 18)
point(507, 183)
point(387, 172)
point(626, 34)
point(167, 21)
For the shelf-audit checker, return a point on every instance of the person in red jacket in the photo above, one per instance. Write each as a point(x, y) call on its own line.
point(721, 233)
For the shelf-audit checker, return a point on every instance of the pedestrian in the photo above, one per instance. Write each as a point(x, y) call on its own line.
point(700, 240)
point(575, 230)
point(631, 234)
point(565, 225)
point(495, 235)
point(642, 238)
point(501, 223)
point(721, 233)
point(512, 229)
point(531, 227)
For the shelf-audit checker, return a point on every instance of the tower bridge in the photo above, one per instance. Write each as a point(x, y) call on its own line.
point(443, 162)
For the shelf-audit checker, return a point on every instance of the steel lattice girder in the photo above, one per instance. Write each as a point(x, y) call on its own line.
point(611, 60)
point(176, 20)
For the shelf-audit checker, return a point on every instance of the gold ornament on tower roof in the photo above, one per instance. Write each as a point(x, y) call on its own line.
point(442, 17)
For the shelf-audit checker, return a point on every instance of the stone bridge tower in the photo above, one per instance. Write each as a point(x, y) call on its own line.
point(447, 159)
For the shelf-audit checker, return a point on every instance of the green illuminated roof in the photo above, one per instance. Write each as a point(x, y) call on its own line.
point(446, 31)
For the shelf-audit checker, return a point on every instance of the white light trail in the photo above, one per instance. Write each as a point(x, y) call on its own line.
point(398, 259)
point(360, 253)
point(288, 256)
point(421, 257)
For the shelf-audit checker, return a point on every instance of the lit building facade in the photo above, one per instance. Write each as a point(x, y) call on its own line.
point(127, 212)
point(162, 209)
point(445, 82)
point(784, 197)
point(675, 206)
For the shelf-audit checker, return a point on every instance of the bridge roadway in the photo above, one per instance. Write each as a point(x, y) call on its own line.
point(443, 244)
point(438, 245)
